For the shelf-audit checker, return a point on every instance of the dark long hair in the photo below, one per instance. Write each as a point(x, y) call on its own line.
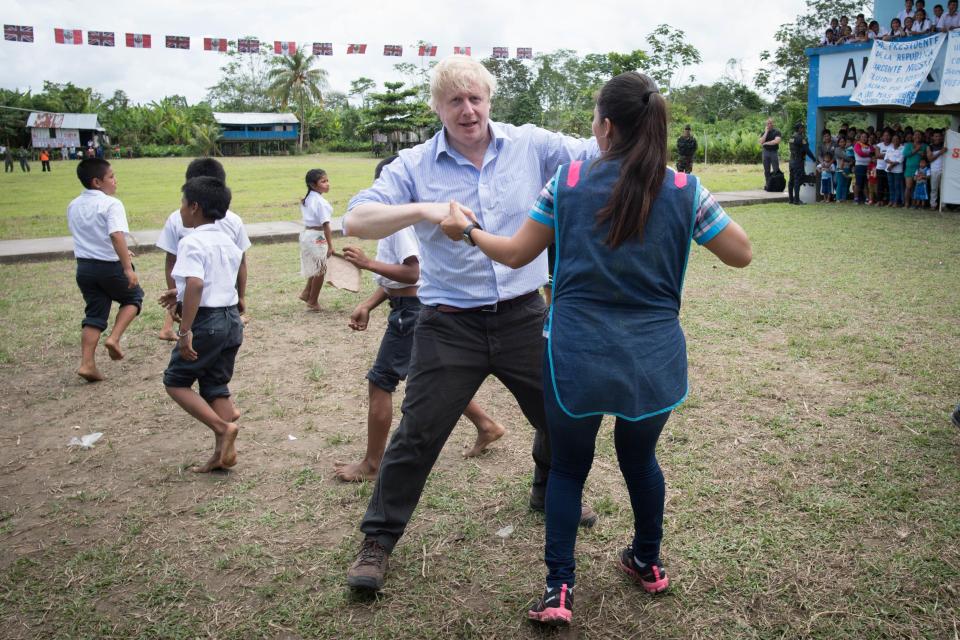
point(311, 179)
point(639, 116)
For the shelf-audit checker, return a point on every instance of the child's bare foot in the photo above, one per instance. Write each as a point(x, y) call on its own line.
point(487, 435)
point(168, 335)
point(113, 348)
point(313, 308)
point(212, 464)
point(228, 454)
point(90, 373)
point(356, 472)
point(304, 295)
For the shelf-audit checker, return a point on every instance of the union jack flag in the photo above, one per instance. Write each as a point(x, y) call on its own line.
point(214, 44)
point(427, 50)
point(323, 48)
point(178, 42)
point(461, 51)
point(392, 50)
point(525, 53)
point(501, 52)
point(356, 48)
point(100, 38)
point(284, 48)
point(139, 40)
point(248, 45)
point(68, 36)
point(17, 33)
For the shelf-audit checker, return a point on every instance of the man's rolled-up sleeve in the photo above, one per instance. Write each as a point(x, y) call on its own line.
point(394, 186)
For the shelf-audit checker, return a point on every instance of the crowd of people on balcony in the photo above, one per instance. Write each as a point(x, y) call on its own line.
point(913, 20)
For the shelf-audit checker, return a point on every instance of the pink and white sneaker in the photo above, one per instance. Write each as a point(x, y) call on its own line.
point(555, 608)
point(652, 577)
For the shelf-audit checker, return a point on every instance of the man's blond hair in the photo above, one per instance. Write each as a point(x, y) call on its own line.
point(459, 73)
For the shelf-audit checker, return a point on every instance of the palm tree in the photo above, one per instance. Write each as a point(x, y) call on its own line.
point(294, 80)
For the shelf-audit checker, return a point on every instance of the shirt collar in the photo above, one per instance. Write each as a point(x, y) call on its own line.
point(497, 134)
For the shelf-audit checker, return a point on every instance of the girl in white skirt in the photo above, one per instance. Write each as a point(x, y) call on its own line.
point(316, 241)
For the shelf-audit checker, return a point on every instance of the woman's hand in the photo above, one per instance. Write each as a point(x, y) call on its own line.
point(456, 221)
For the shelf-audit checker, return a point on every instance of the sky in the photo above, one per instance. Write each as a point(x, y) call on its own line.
point(720, 30)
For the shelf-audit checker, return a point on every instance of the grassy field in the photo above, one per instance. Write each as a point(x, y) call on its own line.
point(812, 477)
point(33, 205)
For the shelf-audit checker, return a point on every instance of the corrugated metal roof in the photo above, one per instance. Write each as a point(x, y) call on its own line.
point(240, 119)
point(47, 120)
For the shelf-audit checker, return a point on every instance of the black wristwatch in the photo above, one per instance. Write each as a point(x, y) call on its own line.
point(466, 233)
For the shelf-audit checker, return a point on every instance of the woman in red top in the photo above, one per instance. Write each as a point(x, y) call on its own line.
point(862, 153)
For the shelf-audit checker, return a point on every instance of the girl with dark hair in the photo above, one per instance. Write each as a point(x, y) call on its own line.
point(316, 240)
point(622, 224)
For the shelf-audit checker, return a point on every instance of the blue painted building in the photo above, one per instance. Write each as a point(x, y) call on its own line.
point(256, 131)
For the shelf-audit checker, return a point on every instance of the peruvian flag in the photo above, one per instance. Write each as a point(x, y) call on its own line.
point(68, 36)
point(461, 51)
point(100, 38)
point(214, 44)
point(248, 45)
point(17, 33)
point(284, 48)
point(392, 50)
point(356, 48)
point(501, 52)
point(179, 42)
point(138, 40)
point(323, 48)
point(525, 53)
point(427, 50)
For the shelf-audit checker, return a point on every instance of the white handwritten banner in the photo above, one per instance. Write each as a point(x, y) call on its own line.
point(896, 70)
point(950, 82)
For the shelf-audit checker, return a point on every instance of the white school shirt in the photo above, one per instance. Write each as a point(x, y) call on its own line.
point(948, 21)
point(394, 249)
point(903, 15)
point(173, 231)
point(881, 159)
point(894, 155)
point(315, 210)
point(92, 217)
point(211, 255)
point(921, 27)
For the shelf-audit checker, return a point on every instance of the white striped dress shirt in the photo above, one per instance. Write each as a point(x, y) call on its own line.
point(518, 162)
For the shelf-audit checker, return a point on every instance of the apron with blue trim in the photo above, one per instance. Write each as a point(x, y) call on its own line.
point(615, 345)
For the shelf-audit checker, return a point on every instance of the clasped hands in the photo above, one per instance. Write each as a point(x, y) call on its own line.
point(457, 219)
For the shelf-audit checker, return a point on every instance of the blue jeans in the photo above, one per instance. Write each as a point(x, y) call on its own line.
point(895, 180)
point(573, 443)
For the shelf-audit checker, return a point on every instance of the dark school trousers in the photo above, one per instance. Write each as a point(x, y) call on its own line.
point(453, 353)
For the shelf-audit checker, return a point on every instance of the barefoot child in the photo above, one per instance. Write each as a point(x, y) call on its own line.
point(921, 196)
point(105, 273)
point(210, 332)
point(396, 271)
point(316, 241)
point(174, 231)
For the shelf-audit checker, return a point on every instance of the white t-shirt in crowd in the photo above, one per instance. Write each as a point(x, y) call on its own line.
point(903, 15)
point(211, 255)
point(881, 159)
point(894, 155)
point(316, 210)
point(173, 231)
point(937, 165)
point(92, 217)
point(948, 21)
point(921, 27)
point(394, 249)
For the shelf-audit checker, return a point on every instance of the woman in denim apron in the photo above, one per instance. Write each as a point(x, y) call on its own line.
point(622, 225)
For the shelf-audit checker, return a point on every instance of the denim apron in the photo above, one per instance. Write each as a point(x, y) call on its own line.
point(614, 342)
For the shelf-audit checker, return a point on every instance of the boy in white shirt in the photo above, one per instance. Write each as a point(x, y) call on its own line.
point(174, 231)
point(211, 332)
point(105, 272)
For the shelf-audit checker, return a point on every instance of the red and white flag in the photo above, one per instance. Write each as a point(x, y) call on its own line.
point(356, 48)
point(214, 44)
point(427, 50)
point(525, 53)
point(248, 45)
point(139, 40)
point(68, 36)
point(101, 38)
point(178, 42)
point(461, 51)
point(323, 48)
point(501, 52)
point(17, 33)
point(284, 48)
point(393, 50)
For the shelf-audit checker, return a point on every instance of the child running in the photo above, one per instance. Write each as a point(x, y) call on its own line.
point(173, 232)
point(622, 228)
point(316, 240)
point(396, 271)
point(208, 261)
point(105, 272)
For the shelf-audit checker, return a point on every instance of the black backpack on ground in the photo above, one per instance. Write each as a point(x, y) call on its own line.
point(776, 182)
